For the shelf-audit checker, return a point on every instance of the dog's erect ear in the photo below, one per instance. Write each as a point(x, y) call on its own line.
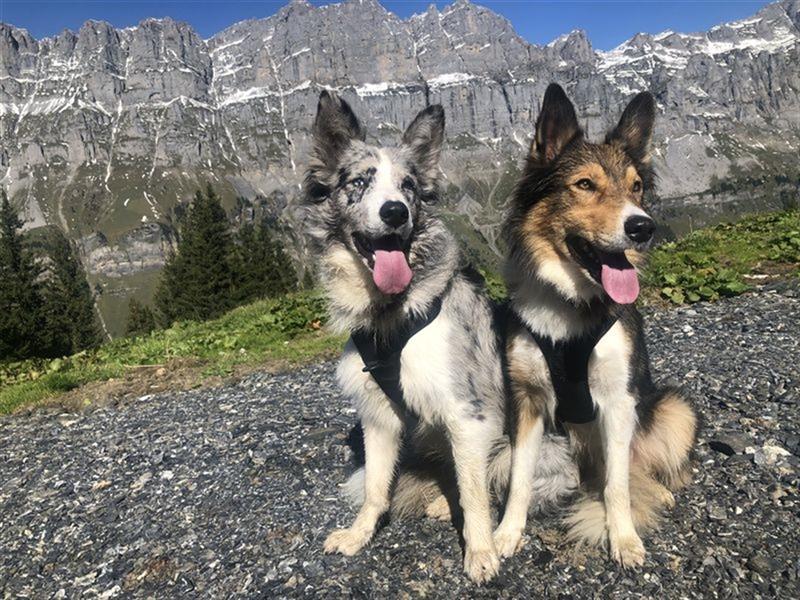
point(335, 127)
point(635, 127)
point(556, 126)
point(425, 137)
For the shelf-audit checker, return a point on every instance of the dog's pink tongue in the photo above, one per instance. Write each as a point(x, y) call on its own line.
point(621, 284)
point(391, 273)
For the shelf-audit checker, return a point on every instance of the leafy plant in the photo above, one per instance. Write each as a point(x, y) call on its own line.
point(300, 312)
point(495, 286)
point(717, 261)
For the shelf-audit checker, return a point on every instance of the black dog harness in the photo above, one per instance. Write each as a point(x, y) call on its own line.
point(568, 363)
point(382, 360)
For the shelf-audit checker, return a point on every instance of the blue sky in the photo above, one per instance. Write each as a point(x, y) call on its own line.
point(539, 21)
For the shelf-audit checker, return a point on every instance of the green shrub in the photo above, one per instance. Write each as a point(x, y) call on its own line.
point(715, 262)
point(299, 312)
point(495, 286)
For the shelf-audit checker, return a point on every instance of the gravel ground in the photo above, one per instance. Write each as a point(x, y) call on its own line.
point(232, 490)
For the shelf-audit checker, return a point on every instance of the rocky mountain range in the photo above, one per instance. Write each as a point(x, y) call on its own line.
point(104, 131)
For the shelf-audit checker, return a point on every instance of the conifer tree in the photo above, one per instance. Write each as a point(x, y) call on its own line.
point(244, 284)
point(71, 324)
point(21, 315)
point(141, 319)
point(284, 276)
point(308, 279)
point(197, 281)
point(263, 270)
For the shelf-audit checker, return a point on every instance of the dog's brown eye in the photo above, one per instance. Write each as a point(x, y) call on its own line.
point(585, 184)
point(409, 184)
point(358, 182)
point(637, 186)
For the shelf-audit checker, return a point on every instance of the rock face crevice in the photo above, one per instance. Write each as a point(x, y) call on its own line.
point(106, 129)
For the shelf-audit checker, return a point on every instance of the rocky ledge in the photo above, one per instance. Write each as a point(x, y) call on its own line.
point(227, 491)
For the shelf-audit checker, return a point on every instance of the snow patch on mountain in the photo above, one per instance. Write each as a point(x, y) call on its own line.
point(770, 31)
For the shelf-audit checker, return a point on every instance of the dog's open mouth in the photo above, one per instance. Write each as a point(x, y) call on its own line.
point(611, 269)
point(386, 257)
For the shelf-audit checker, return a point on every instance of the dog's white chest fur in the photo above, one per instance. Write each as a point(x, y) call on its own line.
point(425, 375)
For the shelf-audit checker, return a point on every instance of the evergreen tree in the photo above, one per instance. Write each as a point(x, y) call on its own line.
point(245, 287)
point(263, 270)
point(71, 325)
point(284, 277)
point(197, 281)
point(141, 319)
point(21, 315)
point(308, 279)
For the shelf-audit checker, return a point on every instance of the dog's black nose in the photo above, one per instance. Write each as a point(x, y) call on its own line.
point(394, 213)
point(640, 228)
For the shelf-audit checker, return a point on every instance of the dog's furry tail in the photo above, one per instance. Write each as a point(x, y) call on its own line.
point(556, 477)
point(414, 491)
point(587, 523)
point(660, 463)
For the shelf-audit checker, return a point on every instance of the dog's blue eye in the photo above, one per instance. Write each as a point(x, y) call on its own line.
point(585, 184)
point(408, 184)
point(637, 186)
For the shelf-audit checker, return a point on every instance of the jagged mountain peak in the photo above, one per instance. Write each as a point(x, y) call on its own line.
point(573, 46)
point(96, 25)
point(364, 3)
point(770, 30)
point(564, 37)
point(792, 8)
point(297, 9)
point(16, 36)
point(770, 12)
point(8, 29)
point(167, 24)
point(461, 5)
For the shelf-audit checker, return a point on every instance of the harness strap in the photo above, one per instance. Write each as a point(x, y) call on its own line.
point(568, 363)
point(382, 360)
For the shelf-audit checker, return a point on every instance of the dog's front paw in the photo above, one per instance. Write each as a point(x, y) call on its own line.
point(439, 509)
point(346, 541)
point(507, 540)
point(481, 565)
point(627, 550)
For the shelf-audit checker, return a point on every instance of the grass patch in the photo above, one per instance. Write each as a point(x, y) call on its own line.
point(724, 260)
point(280, 333)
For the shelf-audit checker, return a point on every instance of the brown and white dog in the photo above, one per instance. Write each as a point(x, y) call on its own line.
point(576, 233)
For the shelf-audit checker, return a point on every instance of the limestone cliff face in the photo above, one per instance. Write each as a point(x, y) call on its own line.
point(106, 130)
